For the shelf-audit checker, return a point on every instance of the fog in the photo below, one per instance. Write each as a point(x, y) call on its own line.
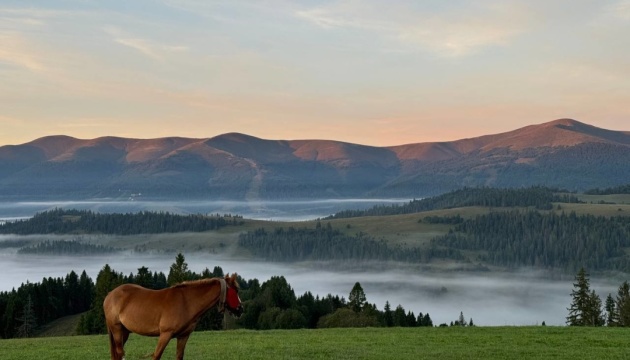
point(491, 299)
point(509, 298)
point(261, 210)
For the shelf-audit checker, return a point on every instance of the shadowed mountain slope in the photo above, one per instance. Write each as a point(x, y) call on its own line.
point(563, 153)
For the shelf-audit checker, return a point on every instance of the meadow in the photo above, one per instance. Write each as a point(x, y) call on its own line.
point(539, 342)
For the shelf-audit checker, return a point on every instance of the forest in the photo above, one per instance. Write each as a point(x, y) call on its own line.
point(270, 305)
point(62, 221)
point(538, 197)
point(327, 243)
point(66, 247)
point(534, 239)
point(622, 189)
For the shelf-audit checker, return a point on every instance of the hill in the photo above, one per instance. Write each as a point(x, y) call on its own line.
point(563, 153)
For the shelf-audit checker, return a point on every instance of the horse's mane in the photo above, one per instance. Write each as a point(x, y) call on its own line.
point(194, 282)
point(230, 281)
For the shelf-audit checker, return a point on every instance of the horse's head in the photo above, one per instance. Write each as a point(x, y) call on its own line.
point(232, 300)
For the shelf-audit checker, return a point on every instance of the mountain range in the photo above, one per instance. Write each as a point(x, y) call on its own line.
point(564, 153)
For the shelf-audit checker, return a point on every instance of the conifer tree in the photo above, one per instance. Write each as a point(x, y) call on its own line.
point(388, 316)
point(611, 311)
point(28, 321)
point(595, 313)
point(357, 298)
point(461, 321)
point(586, 306)
point(622, 305)
point(179, 271)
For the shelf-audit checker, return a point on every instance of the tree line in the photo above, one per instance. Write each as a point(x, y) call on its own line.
point(327, 243)
point(270, 305)
point(61, 221)
point(538, 197)
point(35, 304)
point(530, 238)
point(621, 189)
point(66, 247)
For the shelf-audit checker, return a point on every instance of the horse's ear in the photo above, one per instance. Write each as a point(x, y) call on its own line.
point(234, 279)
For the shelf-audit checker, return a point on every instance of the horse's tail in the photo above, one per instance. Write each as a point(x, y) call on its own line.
point(112, 344)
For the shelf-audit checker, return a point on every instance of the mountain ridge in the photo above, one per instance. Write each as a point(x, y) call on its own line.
point(236, 165)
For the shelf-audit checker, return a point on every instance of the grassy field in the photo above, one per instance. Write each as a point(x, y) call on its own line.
point(366, 343)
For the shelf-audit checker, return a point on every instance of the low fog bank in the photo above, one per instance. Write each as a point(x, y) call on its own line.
point(491, 299)
point(277, 210)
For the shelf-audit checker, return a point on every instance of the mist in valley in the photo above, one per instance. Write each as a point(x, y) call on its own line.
point(491, 299)
point(275, 210)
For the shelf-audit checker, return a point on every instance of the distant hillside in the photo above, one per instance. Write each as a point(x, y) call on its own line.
point(540, 198)
point(563, 153)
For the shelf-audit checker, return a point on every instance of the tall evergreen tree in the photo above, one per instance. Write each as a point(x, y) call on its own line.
point(28, 321)
point(611, 311)
point(400, 317)
point(357, 298)
point(179, 271)
point(585, 308)
point(144, 277)
point(388, 316)
point(622, 305)
point(595, 313)
point(461, 320)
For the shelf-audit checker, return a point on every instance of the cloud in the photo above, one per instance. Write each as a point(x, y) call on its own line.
point(621, 9)
point(448, 33)
point(15, 51)
point(149, 48)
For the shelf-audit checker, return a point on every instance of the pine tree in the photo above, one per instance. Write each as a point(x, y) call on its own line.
point(144, 277)
point(400, 317)
point(612, 318)
point(179, 271)
point(28, 321)
point(595, 314)
point(357, 298)
point(586, 307)
point(461, 321)
point(388, 316)
point(622, 308)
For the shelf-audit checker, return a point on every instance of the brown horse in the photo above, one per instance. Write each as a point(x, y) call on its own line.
point(168, 313)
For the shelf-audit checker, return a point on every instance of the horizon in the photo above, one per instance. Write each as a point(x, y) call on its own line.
point(303, 139)
point(359, 72)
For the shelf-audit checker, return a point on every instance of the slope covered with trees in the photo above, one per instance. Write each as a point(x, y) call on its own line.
point(538, 197)
point(622, 189)
point(329, 244)
point(60, 221)
point(533, 239)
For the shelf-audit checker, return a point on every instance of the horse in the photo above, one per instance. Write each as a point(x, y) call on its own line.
point(168, 313)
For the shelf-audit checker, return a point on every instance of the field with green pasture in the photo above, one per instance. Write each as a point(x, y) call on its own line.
point(366, 343)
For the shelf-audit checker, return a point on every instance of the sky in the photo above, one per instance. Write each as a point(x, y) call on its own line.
point(369, 72)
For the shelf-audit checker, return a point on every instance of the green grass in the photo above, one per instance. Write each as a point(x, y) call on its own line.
point(65, 326)
point(368, 343)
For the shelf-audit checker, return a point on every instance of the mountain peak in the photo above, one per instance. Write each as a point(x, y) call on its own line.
point(564, 122)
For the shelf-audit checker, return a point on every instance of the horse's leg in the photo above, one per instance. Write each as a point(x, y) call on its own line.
point(125, 337)
point(112, 344)
point(161, 345)
point(181, 345)
point(118, 335)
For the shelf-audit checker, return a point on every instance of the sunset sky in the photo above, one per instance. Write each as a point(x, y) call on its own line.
point(369, 72)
